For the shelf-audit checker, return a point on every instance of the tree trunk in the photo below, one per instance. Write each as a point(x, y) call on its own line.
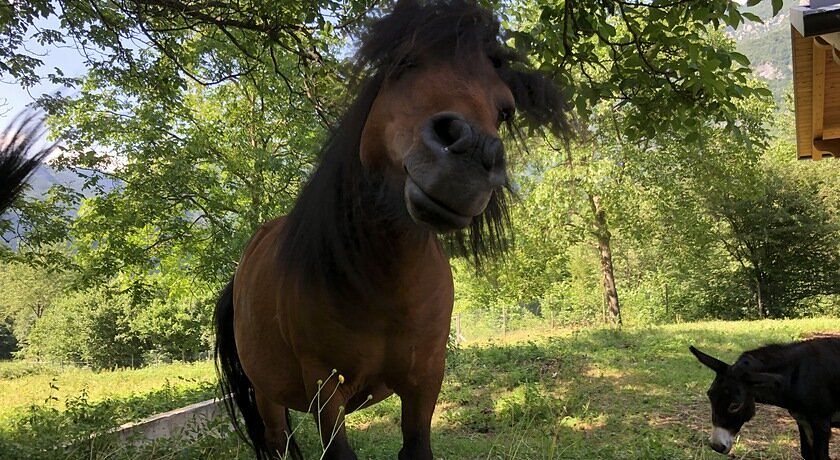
point(759, 295)
point(602, 233)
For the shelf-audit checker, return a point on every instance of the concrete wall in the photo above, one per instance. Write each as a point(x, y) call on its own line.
point(186, 422)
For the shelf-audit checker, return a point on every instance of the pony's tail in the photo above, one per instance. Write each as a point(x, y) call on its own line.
point(236, 387)
point(18, 160)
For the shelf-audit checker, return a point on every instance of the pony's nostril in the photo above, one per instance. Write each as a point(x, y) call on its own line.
point(452, 132)
point(493, 154)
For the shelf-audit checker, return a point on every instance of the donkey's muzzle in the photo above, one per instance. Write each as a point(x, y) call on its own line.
point(721, 440)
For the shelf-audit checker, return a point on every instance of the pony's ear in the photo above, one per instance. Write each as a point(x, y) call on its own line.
point(404, 4)
point(764, 380)
point(709, 361)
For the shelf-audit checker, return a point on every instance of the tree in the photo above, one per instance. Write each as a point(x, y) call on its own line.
point(28, 293)
point(199, 179)
point(205, 43)
point(784, 240)
point(198, 122)
point(88, 327)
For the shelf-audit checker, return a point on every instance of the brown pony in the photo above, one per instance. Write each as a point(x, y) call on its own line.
point(355, 278)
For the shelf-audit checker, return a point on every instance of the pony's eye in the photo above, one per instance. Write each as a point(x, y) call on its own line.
point(402, 66)
point(505, 115)
point(406, 63)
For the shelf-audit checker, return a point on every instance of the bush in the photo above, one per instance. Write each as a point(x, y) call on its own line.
point(174, 328)
point(91, 328)
point(817, 306)
point(8, 342)
point(10, 370)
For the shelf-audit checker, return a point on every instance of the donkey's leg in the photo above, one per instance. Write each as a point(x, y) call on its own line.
point(418, 406)
point(822, 435)
point(277, 430)
point(805, 440)
point(328, 408)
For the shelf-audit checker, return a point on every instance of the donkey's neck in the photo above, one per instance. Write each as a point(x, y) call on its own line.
point(770, 397)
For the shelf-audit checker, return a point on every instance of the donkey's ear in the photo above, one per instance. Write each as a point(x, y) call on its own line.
point(745, 365)
point(708, 361)
point(764, 380)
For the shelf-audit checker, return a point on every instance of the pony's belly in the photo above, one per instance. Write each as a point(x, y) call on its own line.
point(368, 397)
point(279, 380)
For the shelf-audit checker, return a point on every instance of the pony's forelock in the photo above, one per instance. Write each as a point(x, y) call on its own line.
point(338, 231)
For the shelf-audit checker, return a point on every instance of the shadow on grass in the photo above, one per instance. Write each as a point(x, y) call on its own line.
point(636, 394)
point(598, 394)
point(604, 394)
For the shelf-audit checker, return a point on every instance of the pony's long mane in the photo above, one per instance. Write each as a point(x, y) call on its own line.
point(19, 156)
point(340, 230)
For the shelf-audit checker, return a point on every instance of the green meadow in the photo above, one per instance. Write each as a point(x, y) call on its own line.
point(533, 394)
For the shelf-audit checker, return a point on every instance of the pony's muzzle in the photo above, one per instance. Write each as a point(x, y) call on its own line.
point(448, 133)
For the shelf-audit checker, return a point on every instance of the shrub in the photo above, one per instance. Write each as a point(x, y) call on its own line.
point(90, 327)
point(8, 342)
point(174, 328)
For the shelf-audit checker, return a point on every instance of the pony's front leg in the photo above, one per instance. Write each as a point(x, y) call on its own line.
point(418, 406)
point(278, 433)
point(328, 407)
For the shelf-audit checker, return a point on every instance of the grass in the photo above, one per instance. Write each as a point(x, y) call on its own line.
point(23, 383)
point(536, 394)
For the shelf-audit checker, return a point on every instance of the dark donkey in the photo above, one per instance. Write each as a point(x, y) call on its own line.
point(19, 157)
point(355, 278)
point(802, 377)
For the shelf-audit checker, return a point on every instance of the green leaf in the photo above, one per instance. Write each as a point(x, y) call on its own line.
point(752, 17)
point(740, 58)
point(764, 92)
point(777, 6)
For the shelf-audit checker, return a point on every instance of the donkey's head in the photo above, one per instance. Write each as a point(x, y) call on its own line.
point(732, 395)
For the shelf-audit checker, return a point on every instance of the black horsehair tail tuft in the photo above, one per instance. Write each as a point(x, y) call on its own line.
point(19, 156)
point(235, 385)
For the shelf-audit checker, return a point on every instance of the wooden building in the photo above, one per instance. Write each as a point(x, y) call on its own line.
point(815, 35)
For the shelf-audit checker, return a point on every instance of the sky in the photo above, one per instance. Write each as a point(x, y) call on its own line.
point(14, 98)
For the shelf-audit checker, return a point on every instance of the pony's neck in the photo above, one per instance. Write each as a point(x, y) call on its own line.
point(386, 223)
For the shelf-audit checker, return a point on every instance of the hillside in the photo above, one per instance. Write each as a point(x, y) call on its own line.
point(767, 46)
point(40, 183)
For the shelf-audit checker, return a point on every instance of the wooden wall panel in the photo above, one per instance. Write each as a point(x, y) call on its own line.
point(816, 89)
